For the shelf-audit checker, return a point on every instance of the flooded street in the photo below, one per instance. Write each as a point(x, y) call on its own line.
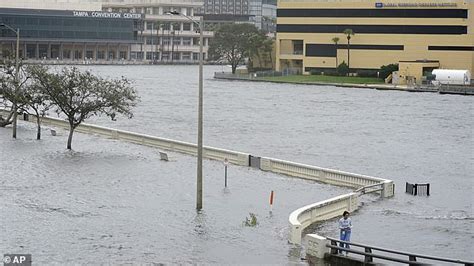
point(114, 202)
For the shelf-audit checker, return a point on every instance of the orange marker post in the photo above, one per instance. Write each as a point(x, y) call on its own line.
point(271, 201)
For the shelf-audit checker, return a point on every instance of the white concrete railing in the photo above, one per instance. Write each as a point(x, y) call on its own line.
point(234, 157)
point(331, 208)
point(320, 211)
point(325, 175)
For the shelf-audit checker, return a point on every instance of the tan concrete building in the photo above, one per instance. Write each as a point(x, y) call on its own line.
point(422, 34)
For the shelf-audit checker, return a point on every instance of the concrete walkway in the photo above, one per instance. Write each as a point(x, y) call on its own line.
point(346, 85)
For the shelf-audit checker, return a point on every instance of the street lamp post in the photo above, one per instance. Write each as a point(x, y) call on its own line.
point(200, 107)
point(17, 70)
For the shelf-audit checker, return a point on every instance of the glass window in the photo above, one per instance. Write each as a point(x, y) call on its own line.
point(149, 25)
point(186, 56)
point(89, 54)
point(186, 26)
point(100, 54)
point(186, 40)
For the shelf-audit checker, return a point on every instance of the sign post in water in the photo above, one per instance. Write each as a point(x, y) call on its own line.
point(226, 163)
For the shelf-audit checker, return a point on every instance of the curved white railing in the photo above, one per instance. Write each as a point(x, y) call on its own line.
point(238, 158)
point(331, 208)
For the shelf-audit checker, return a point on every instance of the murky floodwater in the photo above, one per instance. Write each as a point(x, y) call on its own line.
point(118, 203)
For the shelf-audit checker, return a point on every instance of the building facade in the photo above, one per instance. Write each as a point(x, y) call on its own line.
point(385, 32)
point(164, 38)
point(68, 35)
point(104, 30)
point(225, 11)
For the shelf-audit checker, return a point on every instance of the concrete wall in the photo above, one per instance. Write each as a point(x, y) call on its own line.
point(237, 158)
point(319, 211)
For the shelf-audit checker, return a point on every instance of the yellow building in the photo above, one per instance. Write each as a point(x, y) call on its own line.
point(421, 34)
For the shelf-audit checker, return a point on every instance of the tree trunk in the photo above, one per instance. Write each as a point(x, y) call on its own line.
point(348, 56)
point(271, 59)
point(5, 122)
point(69, 140)
point(234, 67)
point(337, 62)
point(38, 132)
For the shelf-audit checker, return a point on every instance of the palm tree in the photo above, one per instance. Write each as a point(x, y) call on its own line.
point(158, 26)
point(348, 33)
point(176, 27)
point(336, 40)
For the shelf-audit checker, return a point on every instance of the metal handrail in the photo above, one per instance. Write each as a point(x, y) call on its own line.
point(396, 252)
point(371, 255)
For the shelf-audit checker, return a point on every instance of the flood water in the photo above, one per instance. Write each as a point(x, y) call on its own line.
point(115, 202)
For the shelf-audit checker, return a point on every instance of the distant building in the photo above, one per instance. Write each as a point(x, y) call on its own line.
point(269, 15)
point(236, 11)
point(164, 37)
point(103, 30)
point(426, 33)
point(68, 35)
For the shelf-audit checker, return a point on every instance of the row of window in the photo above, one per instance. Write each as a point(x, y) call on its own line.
point(374, 13)
point(22, 21)
point(176, 41)
point(165, 56)
point(90, 35)
point(373, 29)
point(188, 11)
point(168, 26)
point(330, 50)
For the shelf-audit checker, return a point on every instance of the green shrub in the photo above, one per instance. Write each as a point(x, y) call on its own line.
point(386, 70)
point(343, 69)
point(251, 221)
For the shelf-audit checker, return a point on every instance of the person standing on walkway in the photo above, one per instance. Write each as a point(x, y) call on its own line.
point(345, 226)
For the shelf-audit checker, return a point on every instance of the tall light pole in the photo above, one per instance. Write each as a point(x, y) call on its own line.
point(17, 70)
point(200, 104)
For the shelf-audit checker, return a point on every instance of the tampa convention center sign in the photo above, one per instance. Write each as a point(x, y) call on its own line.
point(98, 14)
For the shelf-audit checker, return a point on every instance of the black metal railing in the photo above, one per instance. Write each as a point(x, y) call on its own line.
point(418, 189)
point(369, 255)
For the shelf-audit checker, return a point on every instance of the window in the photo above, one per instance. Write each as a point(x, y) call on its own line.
point(189, 11)
point(89, 54)
point(186, 56)
point(123, 55)
point(149, 25)
point(186, 26)
point(186, 40)
point(100, 54)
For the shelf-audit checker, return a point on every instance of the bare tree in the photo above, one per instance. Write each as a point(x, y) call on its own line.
point(33, 99)
point(11, 83)
point(80, 95)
